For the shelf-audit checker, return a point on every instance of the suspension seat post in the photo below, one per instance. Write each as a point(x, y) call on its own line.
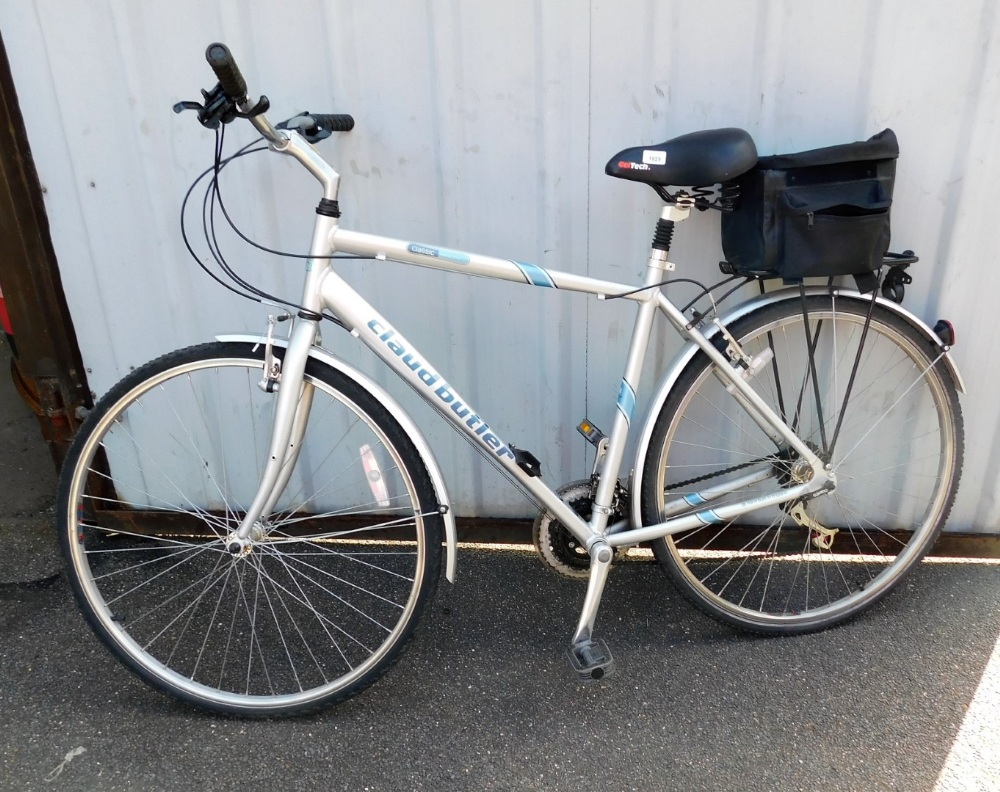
point(663, 235)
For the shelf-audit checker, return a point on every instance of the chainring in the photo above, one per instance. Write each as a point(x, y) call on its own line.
point(559, 550)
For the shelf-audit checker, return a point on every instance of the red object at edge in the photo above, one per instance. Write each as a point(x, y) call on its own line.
point(4, 317)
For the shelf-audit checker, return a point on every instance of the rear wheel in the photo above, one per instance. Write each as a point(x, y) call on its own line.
point(897, 458)
point(334, 580)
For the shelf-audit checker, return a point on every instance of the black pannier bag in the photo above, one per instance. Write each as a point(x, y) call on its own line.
point(814, 214)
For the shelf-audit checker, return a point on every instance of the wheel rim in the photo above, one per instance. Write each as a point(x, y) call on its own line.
point(323, 596)
point(891, 496)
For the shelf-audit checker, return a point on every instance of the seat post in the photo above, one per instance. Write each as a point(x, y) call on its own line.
point(664, 234)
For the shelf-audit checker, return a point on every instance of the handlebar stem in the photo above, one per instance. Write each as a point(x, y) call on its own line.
point(292, 143)
point(312, 161)
point(262, 125)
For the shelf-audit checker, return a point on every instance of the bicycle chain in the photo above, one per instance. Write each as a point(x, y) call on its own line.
point(707, 476)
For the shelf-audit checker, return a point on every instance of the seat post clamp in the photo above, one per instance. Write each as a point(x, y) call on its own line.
point(675, 213)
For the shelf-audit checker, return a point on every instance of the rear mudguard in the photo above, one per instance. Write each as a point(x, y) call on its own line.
point(410, 428)
point(690, 350)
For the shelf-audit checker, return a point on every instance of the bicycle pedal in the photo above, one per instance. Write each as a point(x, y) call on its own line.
point(591, 660)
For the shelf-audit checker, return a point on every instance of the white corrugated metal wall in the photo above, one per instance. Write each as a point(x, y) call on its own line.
point(486, 126)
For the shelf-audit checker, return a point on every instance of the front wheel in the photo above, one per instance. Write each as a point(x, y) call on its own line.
point(897, 458)
point(328, 591)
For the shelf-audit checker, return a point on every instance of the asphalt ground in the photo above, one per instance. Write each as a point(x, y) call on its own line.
point(27, 488)
point(905, 697)
point(484, 698)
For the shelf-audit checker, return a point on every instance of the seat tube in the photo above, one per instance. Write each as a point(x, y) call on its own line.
point(604, 497)
point(657, 265)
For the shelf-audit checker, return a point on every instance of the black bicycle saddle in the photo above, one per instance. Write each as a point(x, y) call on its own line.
point(698, 159)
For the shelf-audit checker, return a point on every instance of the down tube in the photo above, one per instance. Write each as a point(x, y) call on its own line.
point(376, 332)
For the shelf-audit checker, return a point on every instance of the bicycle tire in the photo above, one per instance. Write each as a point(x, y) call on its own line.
point(336, 579)
point(897, 459)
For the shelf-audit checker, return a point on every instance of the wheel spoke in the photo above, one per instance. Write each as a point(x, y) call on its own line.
point(897, 428)
point(325, 593)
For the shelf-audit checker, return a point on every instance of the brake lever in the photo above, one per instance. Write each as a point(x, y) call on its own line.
point(220, 109)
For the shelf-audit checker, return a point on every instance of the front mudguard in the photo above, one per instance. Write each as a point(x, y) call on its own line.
point(689, 350)
point(404, 420)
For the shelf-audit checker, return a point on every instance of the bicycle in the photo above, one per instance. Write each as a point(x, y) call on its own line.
point(255, 527)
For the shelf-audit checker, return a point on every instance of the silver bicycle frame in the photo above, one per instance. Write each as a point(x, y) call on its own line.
point(325, 290)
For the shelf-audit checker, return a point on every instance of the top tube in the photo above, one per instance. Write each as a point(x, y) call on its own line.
point(370, 245)
point(386, 248)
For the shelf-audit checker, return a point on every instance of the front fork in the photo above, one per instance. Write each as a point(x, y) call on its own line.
point(291, 415)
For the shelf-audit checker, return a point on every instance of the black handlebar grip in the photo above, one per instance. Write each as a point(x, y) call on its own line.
point(334, 122)
point(221, 60)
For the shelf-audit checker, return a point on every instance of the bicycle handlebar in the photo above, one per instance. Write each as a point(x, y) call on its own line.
point(233, 87)
point(230, 78)
point(336, 122)
point(315, 127)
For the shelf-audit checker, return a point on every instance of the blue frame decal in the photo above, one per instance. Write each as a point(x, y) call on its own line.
point(708, 517)
point(694, 499)
point(626, 401)
point(535, 275)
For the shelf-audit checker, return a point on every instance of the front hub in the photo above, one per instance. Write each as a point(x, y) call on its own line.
point(242, 547)
point(238, 547)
